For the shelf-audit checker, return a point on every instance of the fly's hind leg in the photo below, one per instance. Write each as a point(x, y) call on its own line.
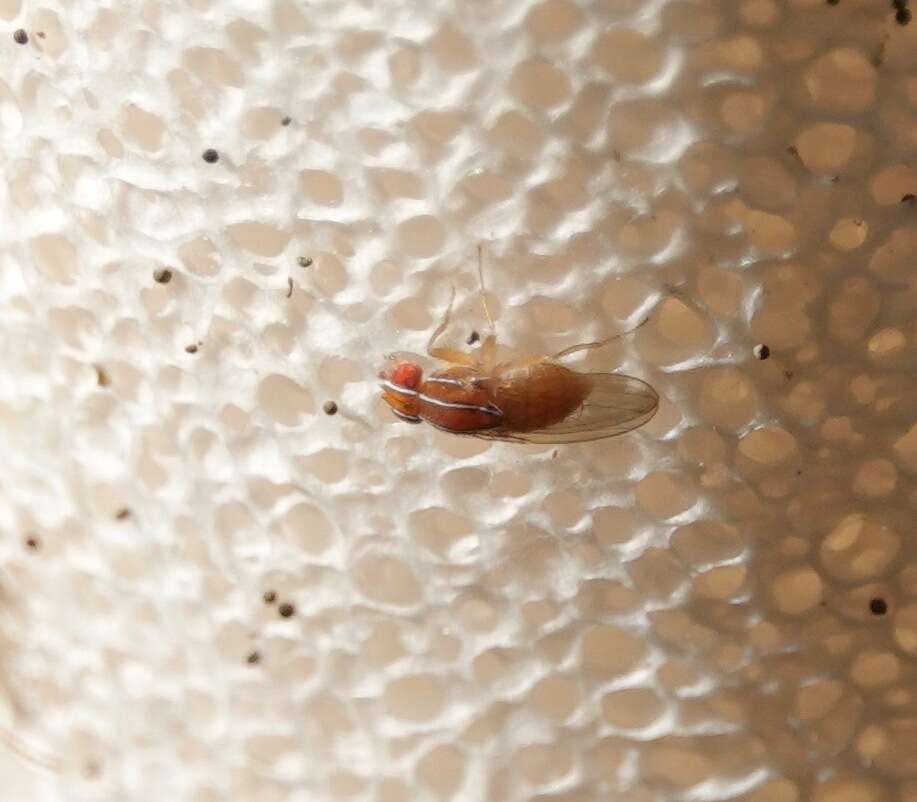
point(447, 354)
point(574, 349)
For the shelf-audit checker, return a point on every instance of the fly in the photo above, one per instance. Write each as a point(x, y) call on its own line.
point(531, 399)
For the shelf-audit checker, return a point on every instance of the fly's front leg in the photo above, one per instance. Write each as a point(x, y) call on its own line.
point(447, 354)
point(487, 354)
point(441, 327)
point(452, 355)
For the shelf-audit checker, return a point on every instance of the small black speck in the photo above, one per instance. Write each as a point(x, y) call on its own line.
point(833, 2)
point(289, 287)
point(305, 261)
point(286, 610)
point(20, 37)
point(330, 408)
point(878, 606)
point(123, 514)
point(92, 769)
point(286, 121)
point(910, 197)
point(788, 374)
point(902, 16)
point(210, 156)
point(33, 543)
point(792, 150)
point(269, 596)
point(191, 349)
point(473, 337)
point(162, 276)
point(761, 351)
point(102, 377)
point(253, 657)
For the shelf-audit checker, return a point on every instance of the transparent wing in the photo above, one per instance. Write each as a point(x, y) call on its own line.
point(616, 404)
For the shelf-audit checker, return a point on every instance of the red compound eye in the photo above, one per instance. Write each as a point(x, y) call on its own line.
point(407, 375)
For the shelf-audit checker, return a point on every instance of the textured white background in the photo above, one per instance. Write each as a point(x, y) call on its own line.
point(694, 611)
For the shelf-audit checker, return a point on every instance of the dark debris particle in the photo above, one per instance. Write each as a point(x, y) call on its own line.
point(269, 596)
point(102, 378)
point(289, 287)
point(833, 2)
point(210, 156)
point(286, 121)
point(162, 276)
point(253, 657)
point(878, 606)
point(123, 514)
point(92, 769)
point(20, 37)
point(305, 261)
point(761, 351)
point(286, 610)
point(191, 349)
point(910, 197)
point(33, 543)
point(473, 337)
point(902, 16)
point(330, 408)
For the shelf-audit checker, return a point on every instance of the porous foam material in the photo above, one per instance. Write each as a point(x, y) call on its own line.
point(218, 216)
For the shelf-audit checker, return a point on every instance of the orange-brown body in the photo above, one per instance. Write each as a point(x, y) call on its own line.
point(520, 399)
point(532, 399)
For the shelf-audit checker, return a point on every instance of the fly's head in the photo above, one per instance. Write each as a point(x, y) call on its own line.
point(400, 382)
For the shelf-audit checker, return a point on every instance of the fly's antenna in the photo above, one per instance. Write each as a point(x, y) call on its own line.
point(490, 320)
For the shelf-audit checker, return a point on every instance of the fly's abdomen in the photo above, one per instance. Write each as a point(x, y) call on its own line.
point(539, 395)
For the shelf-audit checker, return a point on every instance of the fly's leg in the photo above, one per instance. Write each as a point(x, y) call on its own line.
point(487, 356)
point(441, 327)
point(490, 320)
point(574, 349)
point(452, 355)
point(447, 354)
point(518, 364)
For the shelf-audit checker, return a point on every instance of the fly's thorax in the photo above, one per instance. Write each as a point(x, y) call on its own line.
point(458, 399)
